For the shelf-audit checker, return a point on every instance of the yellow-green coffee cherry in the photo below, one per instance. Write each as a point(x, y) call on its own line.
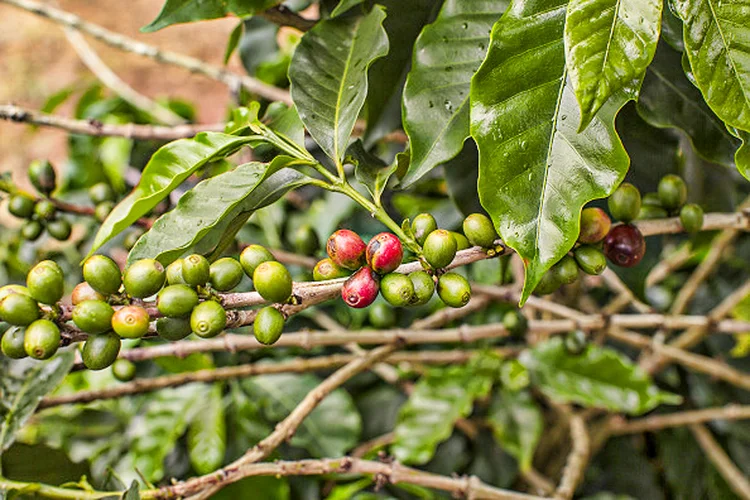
point(672, 192)
point(176, 301)
point(226, 274)
point(268, 325)
point(19, 309)
point(123, 370)
point(651, 199)
point(566, 270)
point(652, 212)
point(103, 209)
point(45, 210)
point(196, 271)
point(253, 256)
point(174, 273)
point(100, 351)
point(102, 274)
point(397, 289)
point(42, 176)
point(84, 291)
point(439, 248)
point(423, 225)
point(424, 287)
point(479, 230)
point(381, 315)
point(9, 289)
point(31, 230)
point(42, 339)
point(326, 269)
point(93, 316)
point(625, 202)
point(454, 289)
point(12, 343)
point(208, 319)
point(691, 217)
point(21, 206)
point(100, 193)
point(131, 322)
point(516, 323)
point(273, 282)
point(143, 278)
point(59, 229)
point(173, 328)
point(46, 282)
point(462, 243)
point(305, 240)
point(590, 259)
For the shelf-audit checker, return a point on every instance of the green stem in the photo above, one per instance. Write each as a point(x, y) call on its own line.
point(45, 490)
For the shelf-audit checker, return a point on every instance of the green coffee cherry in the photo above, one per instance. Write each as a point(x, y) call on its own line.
point(123, 370)
point(31, 230)
point(42, 339)
point(131, 322)
point(326, 269)
point(672, 192)
point(516, 323)
point(59, 229)
point(423, 225)
point(100, 193)
point(226, 274)
point(652, 212)
point(173, 328)
point(143, 278)
point(19, 310)
point(21, 206)
point(381, 315)
point(100, 351)
point(454, 290)
point(253, 256)
point(45, 210)
point(273, 282)
point(12, 343)
point(196, 271)
point(9, 289)
point(462, 243)
point(42, 176)
point(549, 283)
point(208, 319)
point(595, 225)
point(174, 273)
point(305, 240)
point(268, 325)
point(439, 248)
point(575, 342)
point(83, 291)
point(590, 259)
point(93, 316)
point(566, 270)
point(103, 209)
point(424, 287)
point(103, 274)
point(46, 282)
point(176, 301)
point(691, 217)
point(625, 202)
point(479, 230)
point(651, 199)
point(132, 238)
point(397, 289)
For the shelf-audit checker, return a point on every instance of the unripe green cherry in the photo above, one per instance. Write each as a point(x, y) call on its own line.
point(42, 339)
point(123, 370)
point(651, 199)
point(45, 210)
point(174, 273)
point(103, 274)
point(208, 319)
point(143, 278)
point(196, 271)
point(268, 325)
point(59, 229)
point(397, 289)
point(253, 256)
point(590, 259)
point(625, 203)
point(9, 289)
point(42, 176)
point(439, 248)
point(19, 309)
point(103, 209)
point(423, 225)
point(516, 323)
point(454, 289)
point(46, 282)
point(100, 351)
point(173, 328)
point(652, 212)
point(691, 217)
point(84, 291)
point(131, 322)
point(595, 225)
point(93, 316)
point(101, 192)
point(462, 242)
point(326, 269)
point(549, 283)
point(346, 249)
point(566, 270)
point(479, 230)
point(305, 240)
point(672, 192)
point(226, 274)
point(21, 206)
point(31, 230)
point(273, 282)
point(12, 343)
point(176, 301)
point(381, 315)
point(424, 287)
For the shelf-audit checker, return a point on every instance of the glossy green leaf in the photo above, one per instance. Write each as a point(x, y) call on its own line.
point(370, 170)
point(716, 38)
point(188, 11)
point(207, 434)
point(608, 45)
point(344, 6)
point(166, 170)
point(742, 155)
point(328, 76)
point(600, 377)
point(233, 41)
point(517, 424)
point(535, 170)
point(436, 95)
point(284, 120)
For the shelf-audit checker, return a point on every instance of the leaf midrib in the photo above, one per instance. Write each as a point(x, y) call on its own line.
point(341, 92)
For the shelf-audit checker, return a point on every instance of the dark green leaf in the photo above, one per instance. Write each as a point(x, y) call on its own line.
point(234, 40)
point(517, 424)
point(328, 76)
point(599, 377)
point(461, 175)
point(370, 170)
point(535, 171)
point(345, 5)
point(284, 120)
point(742, 155)
point(258, 45)
point(436, 96)
point(207, 434)
point(188, 11)
point(133, 492)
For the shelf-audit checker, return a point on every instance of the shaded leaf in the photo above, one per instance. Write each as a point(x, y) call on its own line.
point(207, 434)
point(517, 424)
point(461, 175)
point(370, 170)
point(188, 11)
point(344, 6)
point(133, 492)
point(742, 155)
point(234, 40)
point(284, 120)
point(258, 44)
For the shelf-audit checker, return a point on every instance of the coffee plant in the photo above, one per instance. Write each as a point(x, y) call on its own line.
point(461, 248)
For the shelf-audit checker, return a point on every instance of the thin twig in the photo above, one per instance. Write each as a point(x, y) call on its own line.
point(577, 459)
point(734, 477)
point(679, 419)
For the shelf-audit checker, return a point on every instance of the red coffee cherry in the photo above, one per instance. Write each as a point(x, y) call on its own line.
point(346, 249)
point(595, 224)
point(384, 253)
point(624, 245)
point(361, 289)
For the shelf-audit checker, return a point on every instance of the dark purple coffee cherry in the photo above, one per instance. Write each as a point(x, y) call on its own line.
point(624, 245)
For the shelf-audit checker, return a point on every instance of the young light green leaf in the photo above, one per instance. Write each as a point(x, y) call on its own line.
point(370, 170)
point(188, 11)
point(600, 377)
point(535, 170)
point(716, 42)
point(166, 170)
point(436, 95)
point(328, 76)
point(207, 434)
point(517, 424)
point(608, 45)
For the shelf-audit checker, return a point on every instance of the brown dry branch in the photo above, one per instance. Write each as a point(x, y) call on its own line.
point(679, 419)
point(734, 477)
point(577, 460)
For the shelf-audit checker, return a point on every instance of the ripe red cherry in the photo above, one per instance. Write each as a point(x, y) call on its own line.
point(624, 245)
point(346, 249)
point(361, 289)
point(384, 253)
